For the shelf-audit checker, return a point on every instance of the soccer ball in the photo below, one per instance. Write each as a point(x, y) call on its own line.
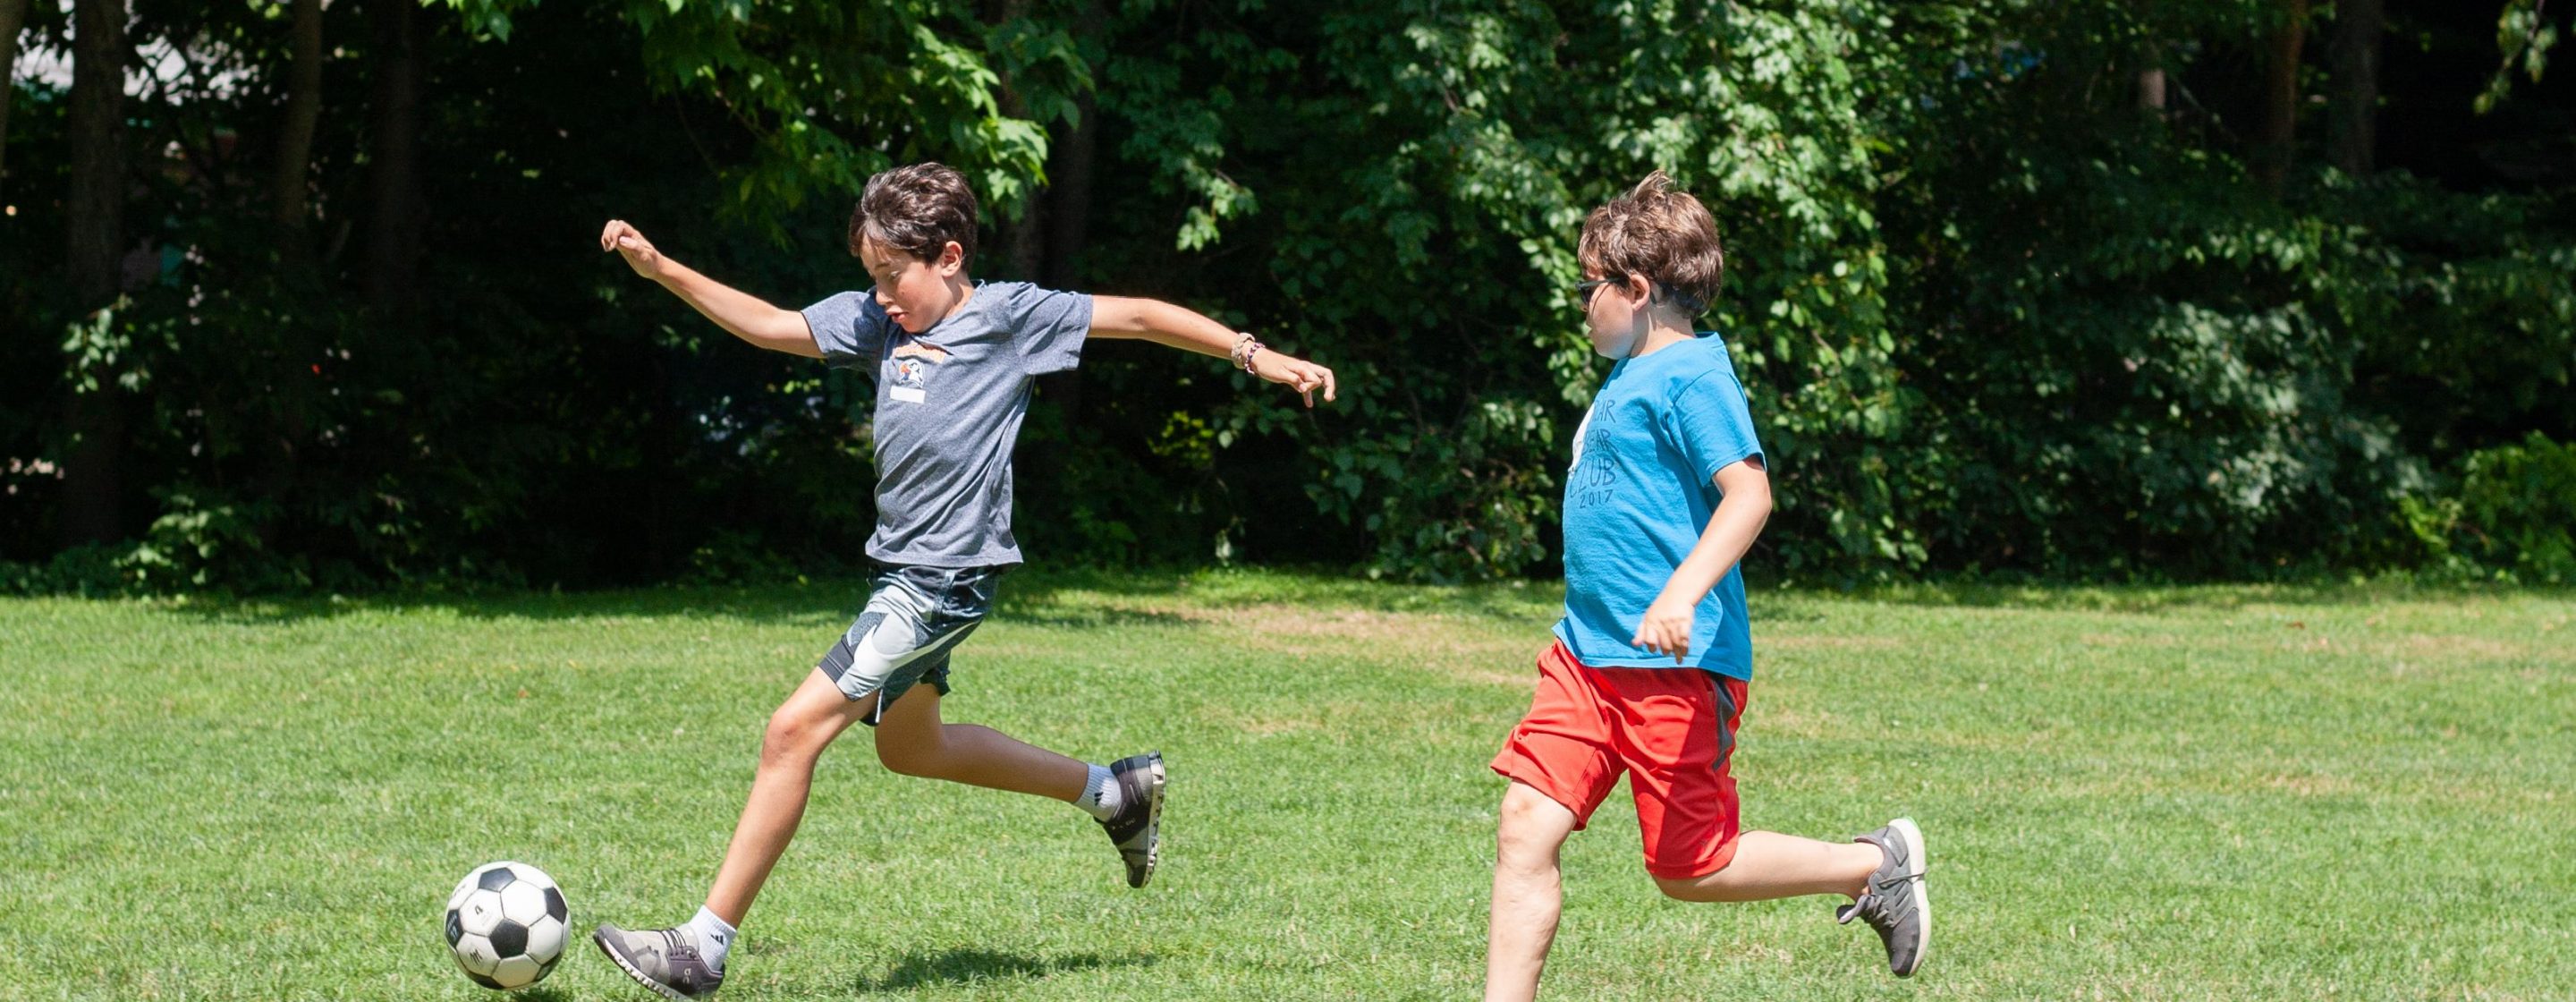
point(506, 923)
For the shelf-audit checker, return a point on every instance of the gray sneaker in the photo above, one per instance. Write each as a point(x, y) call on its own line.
point(1137, 829)
point(1893, 903)
point(664, 960)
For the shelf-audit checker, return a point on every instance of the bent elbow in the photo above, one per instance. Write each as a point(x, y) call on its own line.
point(1136, 317)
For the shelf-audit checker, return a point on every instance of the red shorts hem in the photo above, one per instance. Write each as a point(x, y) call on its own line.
point(1723, 857)
point(1582, 817)
point(1671, 732)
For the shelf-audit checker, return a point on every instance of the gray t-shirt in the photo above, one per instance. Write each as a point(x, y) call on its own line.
point(949, 405)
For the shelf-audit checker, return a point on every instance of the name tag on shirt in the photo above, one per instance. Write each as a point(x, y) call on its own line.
point(911, 371)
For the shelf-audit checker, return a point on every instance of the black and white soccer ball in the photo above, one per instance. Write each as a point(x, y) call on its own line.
point(507, 924)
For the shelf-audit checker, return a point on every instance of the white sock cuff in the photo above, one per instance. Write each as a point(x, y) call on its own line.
point(712, 929)
point(1099, 793)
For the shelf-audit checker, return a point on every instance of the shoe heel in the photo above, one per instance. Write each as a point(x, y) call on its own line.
point(1918, 860)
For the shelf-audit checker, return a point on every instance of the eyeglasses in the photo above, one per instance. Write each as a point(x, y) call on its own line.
point(1583, 290)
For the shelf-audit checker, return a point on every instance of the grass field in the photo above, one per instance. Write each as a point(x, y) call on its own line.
point(2231, 793)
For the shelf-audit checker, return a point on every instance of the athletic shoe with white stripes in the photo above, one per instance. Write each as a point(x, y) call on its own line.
point(1893, 903)
point(664, 960)
point(1137, 827)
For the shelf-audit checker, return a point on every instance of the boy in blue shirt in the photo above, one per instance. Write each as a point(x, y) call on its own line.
point(1648, 673)
point(954, 361)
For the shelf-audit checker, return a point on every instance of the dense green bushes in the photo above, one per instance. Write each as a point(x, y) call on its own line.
point(1996, 317)
point(2513, 515)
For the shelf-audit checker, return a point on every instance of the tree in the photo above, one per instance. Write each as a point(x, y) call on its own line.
point(2274, 145)
point(13, 15)
point(2353, 99)
point(95, 212)
point(295, 133)
point(393, 172)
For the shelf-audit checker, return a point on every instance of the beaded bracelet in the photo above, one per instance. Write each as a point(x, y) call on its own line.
point(1244, 348)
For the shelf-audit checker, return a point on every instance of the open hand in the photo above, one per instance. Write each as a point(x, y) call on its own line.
point(1300, 375)
point(1666, 628)
point(629, 243)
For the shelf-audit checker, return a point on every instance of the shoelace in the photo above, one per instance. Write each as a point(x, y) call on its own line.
point(675, 946)
point(1869, 895)
point(1902, 878)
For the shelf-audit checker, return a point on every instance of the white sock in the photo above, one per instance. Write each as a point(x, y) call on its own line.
point(1101, 796)
point(714, 936)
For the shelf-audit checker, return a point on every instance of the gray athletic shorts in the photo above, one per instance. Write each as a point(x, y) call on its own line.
point(914, 617)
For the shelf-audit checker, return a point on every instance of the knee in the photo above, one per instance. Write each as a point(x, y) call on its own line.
point(1527, 858)
point(1523, 845)
point(790, 739)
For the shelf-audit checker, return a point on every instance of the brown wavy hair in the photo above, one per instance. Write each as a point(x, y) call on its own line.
point(1661, 232)
point(916, 209)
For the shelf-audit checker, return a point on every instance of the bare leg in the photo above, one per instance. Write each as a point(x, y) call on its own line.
point(1770, 865)
point(911, 740)
point(798, 732)
point(1528, 892)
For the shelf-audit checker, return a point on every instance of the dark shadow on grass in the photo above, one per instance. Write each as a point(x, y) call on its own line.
point(540, 995)
point(2160, 598)
point(821, 601)
point(1025, 612)
point(1077, 598)
point(1090, 598)
point(970, 966)
point(830, 603)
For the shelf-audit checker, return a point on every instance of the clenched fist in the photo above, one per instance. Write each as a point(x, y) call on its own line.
point(630, 244)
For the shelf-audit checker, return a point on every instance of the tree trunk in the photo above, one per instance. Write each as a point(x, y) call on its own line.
point(96, 123)
point(95, 209)
point(13, 15)
point(2151, 75)
point(1069, 176)
point(2281, 97)
point(295, 139)
point(1024, 238)
point(1068, 215)
point(2352, 111)
point(393, 246)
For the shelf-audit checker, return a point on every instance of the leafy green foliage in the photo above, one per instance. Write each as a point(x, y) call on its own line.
point(2524, 35)
point(1995, 317)
point(2513, 517)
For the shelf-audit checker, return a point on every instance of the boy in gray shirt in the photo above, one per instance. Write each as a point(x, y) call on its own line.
point(954, 362)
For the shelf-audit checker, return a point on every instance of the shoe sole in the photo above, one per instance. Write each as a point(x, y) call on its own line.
point(658, 988)
point(1153, 821)
point(1915, 863)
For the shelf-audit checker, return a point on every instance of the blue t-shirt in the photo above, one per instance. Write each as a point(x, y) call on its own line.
point(1637, 498)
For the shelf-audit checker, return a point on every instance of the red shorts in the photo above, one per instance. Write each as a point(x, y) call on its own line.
point(1672, 730)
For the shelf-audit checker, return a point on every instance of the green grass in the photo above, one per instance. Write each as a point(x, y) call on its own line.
point(2228, 793)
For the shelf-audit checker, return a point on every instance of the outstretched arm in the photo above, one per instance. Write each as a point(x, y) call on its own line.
point(1187, 329)
point(740, 313)
point(1744, 505)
